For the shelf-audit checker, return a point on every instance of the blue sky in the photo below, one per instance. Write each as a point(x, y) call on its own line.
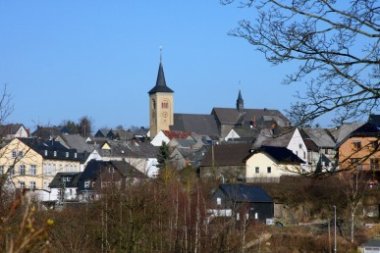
point(65, 59)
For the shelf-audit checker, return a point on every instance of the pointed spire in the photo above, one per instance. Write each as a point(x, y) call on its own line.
point(160, 82)
point(239, 102)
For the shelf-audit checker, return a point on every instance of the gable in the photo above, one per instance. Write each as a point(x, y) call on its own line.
point(159, 138)
point(106, 146)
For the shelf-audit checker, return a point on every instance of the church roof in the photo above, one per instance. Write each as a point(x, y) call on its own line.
point(203, 124)
point(160, 83)
point(232, 116)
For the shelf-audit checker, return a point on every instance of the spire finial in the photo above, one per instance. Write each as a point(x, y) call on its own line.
point(160, 54)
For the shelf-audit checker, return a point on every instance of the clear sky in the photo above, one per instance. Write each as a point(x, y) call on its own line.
point(65, 59)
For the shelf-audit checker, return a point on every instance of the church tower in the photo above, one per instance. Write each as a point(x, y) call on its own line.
point(239, 102)
point(160, 104)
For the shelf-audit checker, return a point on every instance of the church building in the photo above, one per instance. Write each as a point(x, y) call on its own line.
point(216, 125)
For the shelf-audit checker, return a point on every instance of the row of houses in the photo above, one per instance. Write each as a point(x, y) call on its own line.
point(265, 156)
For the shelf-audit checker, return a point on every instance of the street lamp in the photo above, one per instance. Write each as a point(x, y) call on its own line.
point(334, 228)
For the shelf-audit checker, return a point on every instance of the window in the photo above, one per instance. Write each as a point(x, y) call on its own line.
point(165, 105)
point(300, 145)
point(55, 153)
point(326, 151)
point(46, 152)
point(33, 170)
point(66, 179)
point(218, 201)
point(14, 154)
point(304, 155)
point(20, 154)
point(357, 145)
point(11, 170)
point(374, 145)
point(21, 184)
point(22, 170)
point(87, 184)
point(354, 161)
point(32, 185)
point(269, 170)
point(257, 169)
point(375, 164)
point(67, 154)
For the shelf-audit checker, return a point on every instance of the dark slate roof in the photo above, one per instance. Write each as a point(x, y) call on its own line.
point(76, 141)
point(369, 129)
point(371, 243)
point(233, 116)
point(160, 83)
point(320, 136)
point(127, 170)
point(47, 132)
point(202, 124)
point(73, 182)
point(229, 154)
point(281, 140)
point(280, 154)
point(94, 168)
point(341, 133)
point(10, 129)
point(245, 193)
point(102, 133)
point(374, 119)
point(55, 150)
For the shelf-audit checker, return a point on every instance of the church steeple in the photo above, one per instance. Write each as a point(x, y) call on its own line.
point(239, 102)
point(160, 82)
point(161, 104)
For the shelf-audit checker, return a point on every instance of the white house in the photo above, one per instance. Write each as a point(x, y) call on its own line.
point(63, 187)
point(159, 139)
point(270, 163)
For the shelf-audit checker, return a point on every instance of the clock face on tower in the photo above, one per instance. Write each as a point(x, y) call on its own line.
point(164, 115)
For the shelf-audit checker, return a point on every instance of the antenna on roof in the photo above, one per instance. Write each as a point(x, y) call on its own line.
point(160, 54)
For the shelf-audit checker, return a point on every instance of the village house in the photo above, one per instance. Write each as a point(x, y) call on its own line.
point(100, 176)
point(32, 163)
point(233, 162)
point(63, 187)
point(242, 201)
point(360, 148)
point(11, 131)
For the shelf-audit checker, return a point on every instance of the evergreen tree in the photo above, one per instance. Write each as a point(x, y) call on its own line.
point(163, 155)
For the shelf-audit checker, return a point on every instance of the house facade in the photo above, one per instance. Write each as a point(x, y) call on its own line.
point(268, 164)
point(242, 201)
point(32, 163)
point(360, 149)
point(23, 164)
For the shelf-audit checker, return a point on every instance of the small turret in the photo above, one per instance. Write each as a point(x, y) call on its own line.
point(239, 102)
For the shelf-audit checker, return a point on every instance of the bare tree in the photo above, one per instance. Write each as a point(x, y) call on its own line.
point(85, 126)
point(336, 45)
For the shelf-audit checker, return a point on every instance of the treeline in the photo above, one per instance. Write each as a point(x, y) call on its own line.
point(168, 214)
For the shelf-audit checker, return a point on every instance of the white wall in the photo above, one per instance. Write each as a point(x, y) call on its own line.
point(262, 161)
point(159, 138)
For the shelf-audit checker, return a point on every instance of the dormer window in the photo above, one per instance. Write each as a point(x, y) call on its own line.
point(357, 145)
point(55, 153)
point(46, 152)
point(67, 154)
point(75, 155)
